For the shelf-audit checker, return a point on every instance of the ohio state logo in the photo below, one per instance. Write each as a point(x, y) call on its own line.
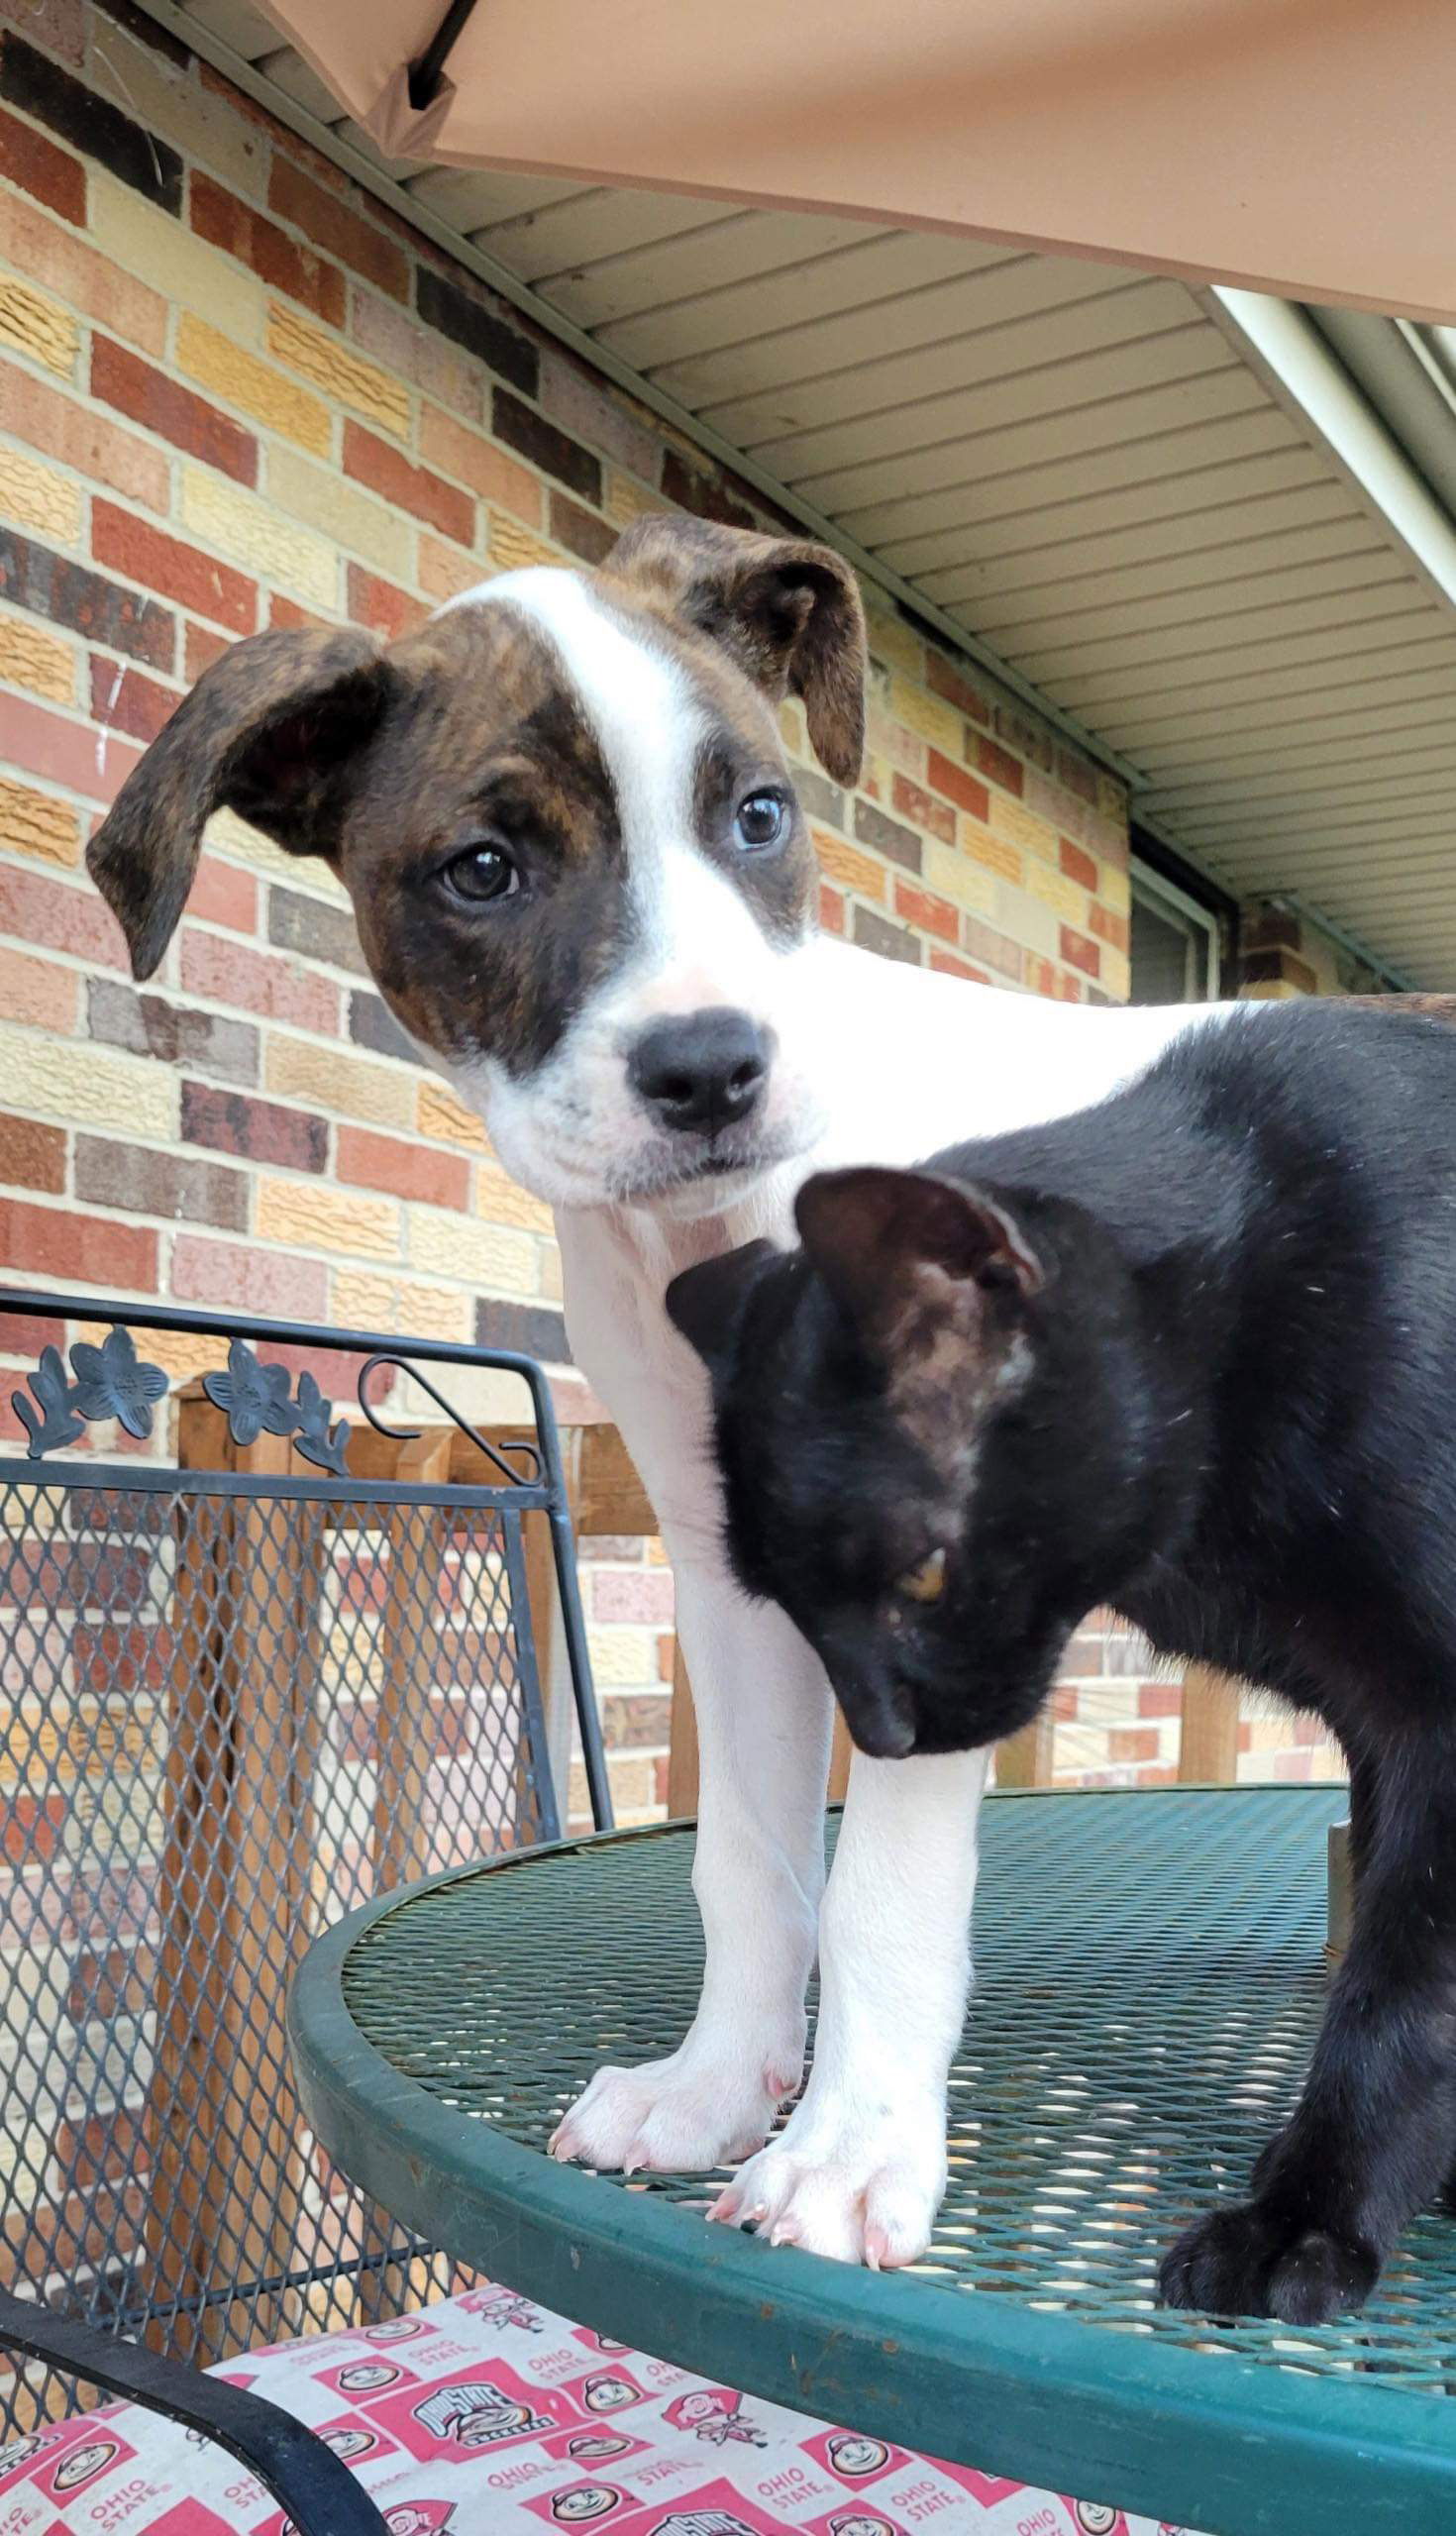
point(476, 2416)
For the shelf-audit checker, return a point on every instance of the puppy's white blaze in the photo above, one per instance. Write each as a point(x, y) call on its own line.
point(647, 720)
point(698, 942)
point(574, 1128)
point(703, 944)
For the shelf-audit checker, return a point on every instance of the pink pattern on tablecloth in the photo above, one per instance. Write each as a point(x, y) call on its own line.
point(490, 2416)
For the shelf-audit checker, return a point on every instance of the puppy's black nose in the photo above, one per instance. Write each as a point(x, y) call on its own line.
point(701, 1070)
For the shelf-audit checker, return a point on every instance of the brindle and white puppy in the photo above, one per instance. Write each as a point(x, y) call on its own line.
point(584, 886)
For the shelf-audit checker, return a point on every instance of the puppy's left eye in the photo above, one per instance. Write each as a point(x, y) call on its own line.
point(925, 1583)
point(762, 819)
point(483, 872)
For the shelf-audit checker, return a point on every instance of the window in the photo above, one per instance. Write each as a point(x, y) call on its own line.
point(1175, 942)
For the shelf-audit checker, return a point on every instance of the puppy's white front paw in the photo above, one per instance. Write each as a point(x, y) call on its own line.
point(697, 2109)
point(859, 2186)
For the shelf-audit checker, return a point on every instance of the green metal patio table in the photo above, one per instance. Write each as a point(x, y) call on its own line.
point(1150, 1974)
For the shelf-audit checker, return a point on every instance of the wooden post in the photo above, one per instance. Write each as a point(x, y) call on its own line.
point(683, 1760)
point(553, 1672)
point(190, 1901)
point(1208, 1749)
point(407, 1625)
point(1026, 1759)
point(271, 1678)
point(234, 1890)
point(552, 1664)
point(841, 1753)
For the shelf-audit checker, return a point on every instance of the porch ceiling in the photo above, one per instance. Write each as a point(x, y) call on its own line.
point(1085, 473)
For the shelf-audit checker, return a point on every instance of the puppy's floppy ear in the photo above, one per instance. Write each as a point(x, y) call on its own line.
point(706, 1304)
point(904, 1252)
point(269, 731)
point(787, 611)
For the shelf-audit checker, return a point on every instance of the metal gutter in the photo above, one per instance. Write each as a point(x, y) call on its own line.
point(1427, 342)
point(365, 171)
point(1290, 353)
point(1347, 375)
point(1400, 374)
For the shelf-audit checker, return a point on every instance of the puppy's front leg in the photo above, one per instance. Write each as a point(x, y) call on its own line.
point(764, 1712)
point(859, 2168)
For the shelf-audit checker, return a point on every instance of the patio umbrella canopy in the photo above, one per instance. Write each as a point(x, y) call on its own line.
point(1300, 147)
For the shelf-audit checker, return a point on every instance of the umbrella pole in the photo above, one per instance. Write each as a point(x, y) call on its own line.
point(427, 73)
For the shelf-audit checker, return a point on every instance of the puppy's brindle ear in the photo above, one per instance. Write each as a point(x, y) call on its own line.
point(786, 610)
point(269, 731)
point(706, 1304)
point(907, 1255)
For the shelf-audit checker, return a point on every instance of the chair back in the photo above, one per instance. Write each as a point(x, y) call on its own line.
point(258, 1660)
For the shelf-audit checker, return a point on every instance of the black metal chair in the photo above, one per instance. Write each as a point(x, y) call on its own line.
point(258, 1660)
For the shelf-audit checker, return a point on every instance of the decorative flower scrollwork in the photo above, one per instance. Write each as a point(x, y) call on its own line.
point(257, 1400)
point(109, 1381)
point(56, 1425)
point(315, 1439)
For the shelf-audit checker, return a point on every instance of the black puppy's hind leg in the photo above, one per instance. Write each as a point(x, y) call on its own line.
point(1371, 2138)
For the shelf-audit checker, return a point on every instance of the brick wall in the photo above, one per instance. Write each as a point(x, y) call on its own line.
point(1118, 1712)
point(235, 392)
point(1284, 954)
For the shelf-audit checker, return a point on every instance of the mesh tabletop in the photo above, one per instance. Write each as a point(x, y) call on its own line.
point(1149, 1976)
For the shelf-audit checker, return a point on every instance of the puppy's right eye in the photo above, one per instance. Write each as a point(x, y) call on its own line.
point(763, 820)
point(483, 872)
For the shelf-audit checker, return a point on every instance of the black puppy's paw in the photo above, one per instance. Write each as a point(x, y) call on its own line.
point(1250, 2261)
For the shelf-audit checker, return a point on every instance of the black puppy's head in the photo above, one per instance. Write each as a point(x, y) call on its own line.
point(871, 1394)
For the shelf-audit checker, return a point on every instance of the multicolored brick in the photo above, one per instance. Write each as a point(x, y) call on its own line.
point(137, 389)
point(263, 393)
point(341, 375)
point(54, 176)
point(38, 327)
point(97, 449)
point(32, 658)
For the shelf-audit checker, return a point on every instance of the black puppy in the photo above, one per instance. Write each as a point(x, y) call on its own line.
point(1192, 1354)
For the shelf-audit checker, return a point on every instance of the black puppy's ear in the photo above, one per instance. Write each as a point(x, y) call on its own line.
point(706, 1304)
point(269, 731)
point(897, 1246)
